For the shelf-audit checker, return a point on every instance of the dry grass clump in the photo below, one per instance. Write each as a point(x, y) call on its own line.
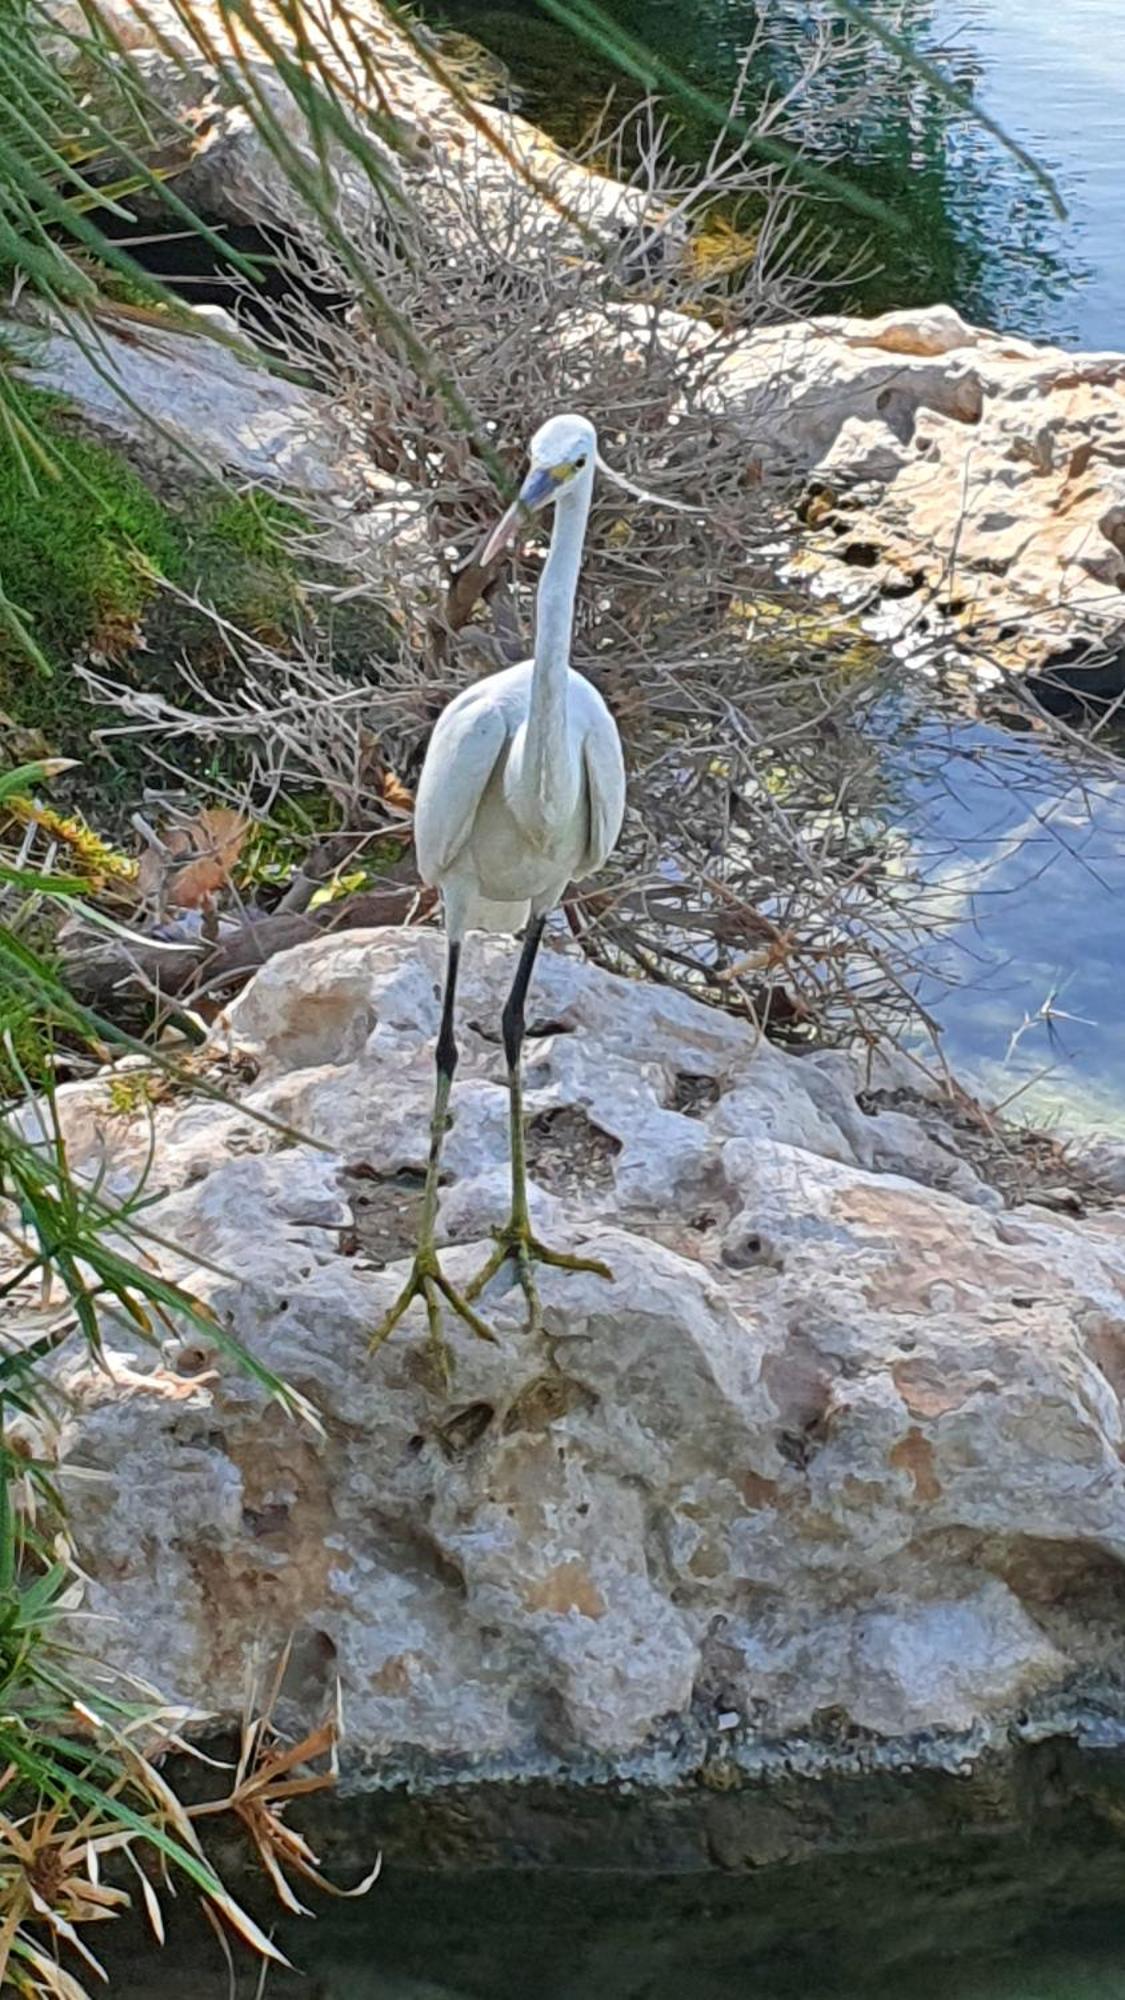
point(93, 1804)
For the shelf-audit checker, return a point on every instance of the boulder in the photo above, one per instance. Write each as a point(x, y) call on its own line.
point(173, 397)
point(976, 475)
point(995, 502)
point(839, 1445)
point(414, 136)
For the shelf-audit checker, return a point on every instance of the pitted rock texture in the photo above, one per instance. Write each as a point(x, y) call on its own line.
point(973, 477)
point(969, 481)
point(841, 1438)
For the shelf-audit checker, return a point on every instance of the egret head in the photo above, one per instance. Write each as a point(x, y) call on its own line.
point(564, 452)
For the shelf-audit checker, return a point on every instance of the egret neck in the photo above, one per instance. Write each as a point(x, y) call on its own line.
point(547, 785)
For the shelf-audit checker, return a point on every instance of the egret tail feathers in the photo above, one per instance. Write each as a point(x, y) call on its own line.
point(481, 915)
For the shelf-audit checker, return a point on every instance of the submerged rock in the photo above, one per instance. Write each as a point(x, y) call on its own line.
point(839, 1448)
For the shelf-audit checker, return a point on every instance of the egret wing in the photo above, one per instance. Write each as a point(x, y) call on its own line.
point(467, 742)
point(605, 790)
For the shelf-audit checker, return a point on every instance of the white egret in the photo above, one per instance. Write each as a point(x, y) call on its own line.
point(522, 790)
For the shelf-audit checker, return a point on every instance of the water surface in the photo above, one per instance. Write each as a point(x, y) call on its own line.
point(1008, 1921)
point(1024, 854)
point(977, 229)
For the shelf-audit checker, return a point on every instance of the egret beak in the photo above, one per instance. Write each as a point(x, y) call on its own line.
point(499, 536)
point(541, 485)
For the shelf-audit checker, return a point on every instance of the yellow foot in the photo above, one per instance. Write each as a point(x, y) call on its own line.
point(427, 1280)
point(516, 1244)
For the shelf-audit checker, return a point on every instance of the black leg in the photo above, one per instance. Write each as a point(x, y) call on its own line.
point(446, 1051)
point(516, 1240)
point(512, 1020)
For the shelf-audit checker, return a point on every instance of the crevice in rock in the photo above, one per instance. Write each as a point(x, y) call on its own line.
point(1059, 1576)
point(536, 1030)
point(545, 1401)
point(385, 1208)
point(746, 1248)
point(800, 1383)
point(693, 1094)
point(310, 1671)
point(567, 1153)
point(466, 1428)
point(403, 1542)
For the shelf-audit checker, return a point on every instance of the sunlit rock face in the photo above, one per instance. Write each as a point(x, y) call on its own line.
point(967, 482)
point(838, 1445)
point(972, 477)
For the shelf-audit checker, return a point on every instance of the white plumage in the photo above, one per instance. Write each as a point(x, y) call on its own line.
point(522, 791)
point(480, 829)
point(523, 786)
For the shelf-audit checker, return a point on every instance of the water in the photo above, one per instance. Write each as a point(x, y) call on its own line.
point(977, 229)
point(1055, 75)
point(1024, 856)
point(1000, 1918)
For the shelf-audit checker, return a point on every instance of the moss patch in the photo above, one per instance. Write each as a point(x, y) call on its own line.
point(81, 543)
point(84, 543)
point(82, 554)
point(235, 549)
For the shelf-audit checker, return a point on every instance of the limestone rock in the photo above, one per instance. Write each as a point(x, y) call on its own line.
point(205, 399)
point(416, 136)
point(179, 403)
point(833, 1442)
point(973, 472)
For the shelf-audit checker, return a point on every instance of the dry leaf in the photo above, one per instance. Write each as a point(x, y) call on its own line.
point(215, 840)
point(393, 792)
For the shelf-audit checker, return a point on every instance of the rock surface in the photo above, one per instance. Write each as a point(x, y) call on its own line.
point(974, 476)
point(971, 482)
point(840, 1445)
point(206, 401)
point(417, 136)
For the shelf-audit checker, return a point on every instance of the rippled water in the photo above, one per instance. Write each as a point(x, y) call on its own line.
point(1025, 856)
point(977, 228)
point(1053, 72)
